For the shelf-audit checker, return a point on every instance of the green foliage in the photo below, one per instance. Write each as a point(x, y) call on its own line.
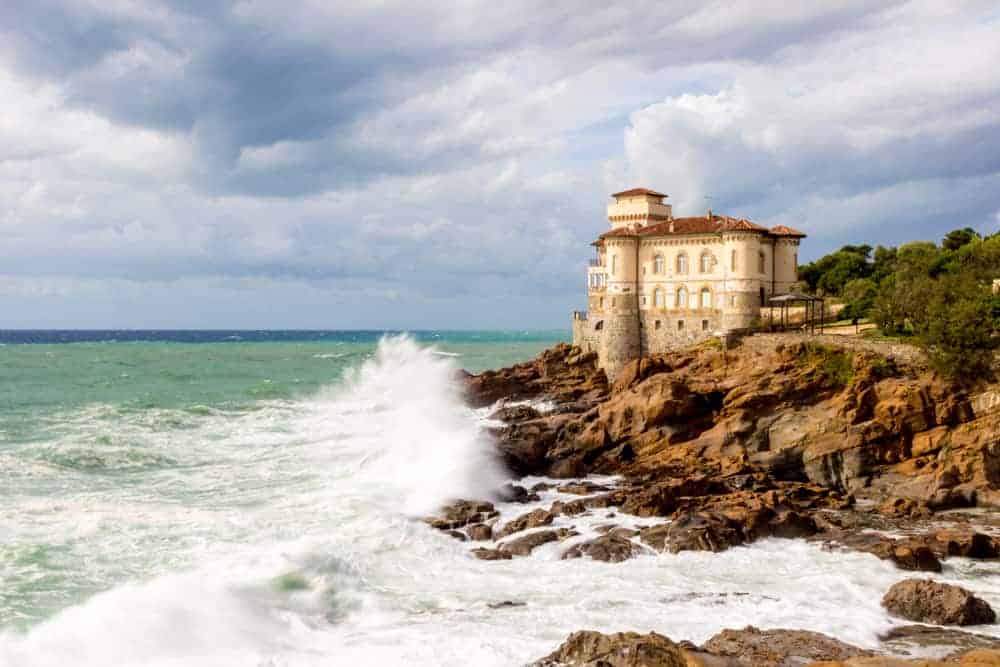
point(859, 298)
point(957, 238)
point(937, 296)
point(883, 367)
point(832, 364)
point(831, 273)
point(958, 332)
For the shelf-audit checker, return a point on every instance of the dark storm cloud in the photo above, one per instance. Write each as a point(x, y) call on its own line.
point(426, 152)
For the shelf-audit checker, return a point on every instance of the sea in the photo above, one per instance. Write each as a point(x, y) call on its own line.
point(254, 498)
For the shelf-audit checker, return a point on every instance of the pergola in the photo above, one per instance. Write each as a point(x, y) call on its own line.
point(810, 303)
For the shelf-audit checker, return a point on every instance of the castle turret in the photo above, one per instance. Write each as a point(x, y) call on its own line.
point(638, 207)
point(619, 341)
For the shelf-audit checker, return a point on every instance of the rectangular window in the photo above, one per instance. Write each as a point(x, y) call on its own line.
point(680, 324)
point(704, 325)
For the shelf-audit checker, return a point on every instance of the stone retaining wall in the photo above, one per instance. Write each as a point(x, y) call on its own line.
point(901, 352)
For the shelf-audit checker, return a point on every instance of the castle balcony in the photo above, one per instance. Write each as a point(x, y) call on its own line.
point(580, 315)
point(598, 262)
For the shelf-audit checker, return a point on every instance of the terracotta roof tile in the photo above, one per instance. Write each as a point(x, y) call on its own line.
point(782, 230)
point(638, 191)
point(697, 225)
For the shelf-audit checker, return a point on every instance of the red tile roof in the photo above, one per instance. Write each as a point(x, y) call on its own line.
point(781, 230)
point(638, 191)
point(701, 225)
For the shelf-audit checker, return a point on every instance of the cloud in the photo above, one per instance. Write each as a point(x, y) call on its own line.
point(445, 161)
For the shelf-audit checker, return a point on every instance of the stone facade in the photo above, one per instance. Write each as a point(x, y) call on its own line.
point(659, 282)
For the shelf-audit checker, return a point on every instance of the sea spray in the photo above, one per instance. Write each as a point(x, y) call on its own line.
point(419, 446)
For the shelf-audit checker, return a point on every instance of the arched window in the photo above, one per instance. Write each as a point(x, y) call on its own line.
point(706, 297)
point(599, 325)
point(614, 264)
point(682, 263)
point(732, 261)
point(706, 262)
point(682, 297)
point(658, 264)
point(761, 262)
point(658, 298)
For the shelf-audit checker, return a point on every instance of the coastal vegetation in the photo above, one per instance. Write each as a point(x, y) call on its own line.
point(939, 296)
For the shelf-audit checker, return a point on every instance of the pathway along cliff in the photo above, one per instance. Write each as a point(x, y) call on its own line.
point(848, 452)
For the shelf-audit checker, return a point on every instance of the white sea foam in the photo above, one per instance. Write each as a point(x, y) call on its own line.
point(284, 538)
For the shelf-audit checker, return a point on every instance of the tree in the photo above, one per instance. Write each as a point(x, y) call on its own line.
point(859, 298)
point(958, 330)
point(957, 238)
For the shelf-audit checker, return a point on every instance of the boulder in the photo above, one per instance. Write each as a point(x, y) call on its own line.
point(927, 601)
point(623, 649)
point(463, 512)
point(479, 532)
point(523, 546)
point(612, 547)
point(532, 519)
point(778, 648)
point(702, 531)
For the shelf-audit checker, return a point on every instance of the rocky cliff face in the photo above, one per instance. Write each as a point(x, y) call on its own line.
point(851, 422)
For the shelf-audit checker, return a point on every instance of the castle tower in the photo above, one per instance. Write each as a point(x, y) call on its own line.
point(638, 206)
point(619, 341)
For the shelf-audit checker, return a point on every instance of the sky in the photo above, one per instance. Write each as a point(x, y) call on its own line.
point(411, 165)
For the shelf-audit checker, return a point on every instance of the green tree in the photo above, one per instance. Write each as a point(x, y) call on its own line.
point(957, 238)
point(958, 330)
point(859, 298)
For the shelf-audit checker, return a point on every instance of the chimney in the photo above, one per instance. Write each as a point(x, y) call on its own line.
point(671, 225)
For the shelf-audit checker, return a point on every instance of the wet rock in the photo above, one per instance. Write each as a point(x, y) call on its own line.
point(524, 446)
point(779, 648)
point(610, 548)
point(701, 531)
point(966, 543)
point(491, 554)
point(507, 604)
point(463, 512)
point(480, 532)
point(515, 413)
point(532, 519)
point(905, 507)
point(927, 601)
point(515, 493)
point(906, 554)
point(524, 545)
point(908, 638)
point(582, 488)
point(623, 649)
point(458, 535)
point(573, 508)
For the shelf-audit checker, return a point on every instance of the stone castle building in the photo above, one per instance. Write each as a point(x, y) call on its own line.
point(659, 281)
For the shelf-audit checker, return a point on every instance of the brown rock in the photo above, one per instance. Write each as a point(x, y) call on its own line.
point(702, 531)
point(610, 548)
point(928, 601)
point(967, 543)
point(480, 532)
point(491, 554)
point(532, 519)
point(463, 512)
point(623, 649)
point(522, 546)
point(779, 648)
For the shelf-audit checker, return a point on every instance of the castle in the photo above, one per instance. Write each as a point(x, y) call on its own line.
point(660, 281)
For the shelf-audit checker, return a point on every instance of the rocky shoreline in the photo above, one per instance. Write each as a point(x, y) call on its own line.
point(711, 448)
